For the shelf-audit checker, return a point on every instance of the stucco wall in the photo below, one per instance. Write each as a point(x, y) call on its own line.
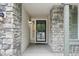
point(25, 30)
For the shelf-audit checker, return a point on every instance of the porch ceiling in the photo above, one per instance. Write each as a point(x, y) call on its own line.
point(38, 9)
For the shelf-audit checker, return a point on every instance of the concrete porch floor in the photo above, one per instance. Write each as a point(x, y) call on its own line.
point(39, 50)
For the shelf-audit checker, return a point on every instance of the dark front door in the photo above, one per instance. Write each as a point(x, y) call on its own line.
point(40, 30)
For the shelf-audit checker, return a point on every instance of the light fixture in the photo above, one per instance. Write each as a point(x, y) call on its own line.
point(1, 16)
point(30, 20)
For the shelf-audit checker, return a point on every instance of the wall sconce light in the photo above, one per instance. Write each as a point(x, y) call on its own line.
point(30, 20)
point(1, 16)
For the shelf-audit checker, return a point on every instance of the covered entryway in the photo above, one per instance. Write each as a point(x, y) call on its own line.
point(39, 29)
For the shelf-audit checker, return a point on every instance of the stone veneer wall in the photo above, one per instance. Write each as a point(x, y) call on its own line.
point(57, 29)
point(10, 29)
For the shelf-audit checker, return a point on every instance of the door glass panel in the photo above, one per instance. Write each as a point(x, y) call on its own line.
point(38, 27)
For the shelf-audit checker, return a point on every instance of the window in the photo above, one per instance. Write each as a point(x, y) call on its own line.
point(73, 25)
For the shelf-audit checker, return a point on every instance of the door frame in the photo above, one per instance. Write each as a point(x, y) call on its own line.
point(36, 31)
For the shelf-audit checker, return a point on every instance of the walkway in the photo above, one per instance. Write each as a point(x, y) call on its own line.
point(38, 50)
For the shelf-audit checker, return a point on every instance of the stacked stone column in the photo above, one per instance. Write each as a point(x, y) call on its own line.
point(10, 29)
point(57, 29)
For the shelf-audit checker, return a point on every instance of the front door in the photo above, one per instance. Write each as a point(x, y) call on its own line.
point(40, 30)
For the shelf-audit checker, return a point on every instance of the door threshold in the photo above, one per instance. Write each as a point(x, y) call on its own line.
point(40, 43)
